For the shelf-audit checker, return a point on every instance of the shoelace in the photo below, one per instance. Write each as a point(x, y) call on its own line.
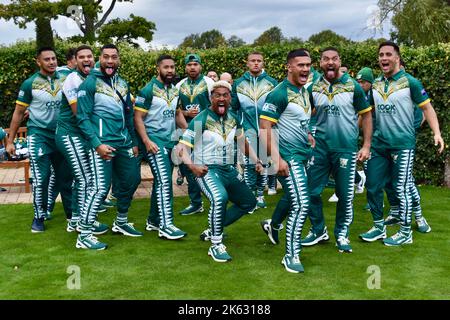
point(343, 241)
point(296, 259)
point(397, 236)
point(92, 239)
point(421, 222)
point(221, 248)
point(374, 229)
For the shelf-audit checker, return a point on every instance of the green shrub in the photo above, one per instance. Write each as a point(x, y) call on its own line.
point(429, 64)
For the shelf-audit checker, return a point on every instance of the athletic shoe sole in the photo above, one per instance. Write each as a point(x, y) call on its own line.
point(80, 245)
point(217, 260)
point(120, 230)
point(380, 237)
point(193, 212)
point(37, 231)
point(323, 237)
point(266, 228)
point(289, 269)
point(410, 241)
point(151, 228)
point(164, 235)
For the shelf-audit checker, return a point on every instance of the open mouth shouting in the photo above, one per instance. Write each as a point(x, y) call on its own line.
point(385, 66)
point(221, 108)
point(109, 70)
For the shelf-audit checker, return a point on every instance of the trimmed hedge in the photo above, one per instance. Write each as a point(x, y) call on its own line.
point(429, 64)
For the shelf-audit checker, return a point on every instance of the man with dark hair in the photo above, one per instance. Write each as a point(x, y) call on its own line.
point(70, 60)
point(212, 136)
point(157, 114)
point(338, 100)
point(70, 140)
point(394, 95)
point(249, 95)
point(193, 98)
point(105, 117)
point(288, 107)
point(41, 96)
point(393, 217)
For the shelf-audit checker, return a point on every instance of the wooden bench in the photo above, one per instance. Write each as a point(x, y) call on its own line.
point(25, 164)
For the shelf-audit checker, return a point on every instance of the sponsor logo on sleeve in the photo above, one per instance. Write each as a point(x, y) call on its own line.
point(424, 93)
point(21, 93)
point(140, 100)
point(81, 93)
point(268, 107)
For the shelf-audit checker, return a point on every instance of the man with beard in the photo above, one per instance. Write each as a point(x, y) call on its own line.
point(394, 95)
point(194, 98)
point(105, 117)
point(156, 117)
point(338, 100)
point(249, 94)
point(70, 140)
point(212, 136)
point(288, 108)
point(41, 95)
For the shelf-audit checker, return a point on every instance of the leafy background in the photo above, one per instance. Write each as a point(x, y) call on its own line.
point(429, 64)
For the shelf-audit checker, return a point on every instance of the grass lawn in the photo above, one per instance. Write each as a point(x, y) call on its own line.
point(34, 266)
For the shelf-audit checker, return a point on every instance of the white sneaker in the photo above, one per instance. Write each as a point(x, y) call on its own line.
point(272, 191)
point(333, 198)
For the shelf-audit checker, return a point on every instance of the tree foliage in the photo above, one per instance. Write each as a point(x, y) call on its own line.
point(88, 14)
point(430, 64)
point(127, 30)
point(273, 35)
point(328, 37)
point(234, 42)
point(207, 40)
point(417, 22)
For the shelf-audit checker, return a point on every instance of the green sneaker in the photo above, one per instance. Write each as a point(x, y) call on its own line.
point(108, 203)
point(48, 216)
point(398, 239)
point(72, 225)
point(126, 229)
point(171, 233)
point(90, 242)
point(391, 220)
point(260, 202)
point(206, 235)
point(190, 209)
point(99, 228)
point(292, 264)
point(313, 238)
point(343, 245)
point(271, 232)
point(218, 253)
point(151, 227)
point(422, 225)
point(373, 234)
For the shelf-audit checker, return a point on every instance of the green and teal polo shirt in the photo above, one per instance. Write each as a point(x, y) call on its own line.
point(290, 109)
point(160, 104)
point(337, 107)
point(213, 138)
point(248, 97)
point(67, 120)
point(42, 96)
point(395, 100)
point(194, 93)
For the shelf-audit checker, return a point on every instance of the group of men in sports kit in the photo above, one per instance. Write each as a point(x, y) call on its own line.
point(86, 124)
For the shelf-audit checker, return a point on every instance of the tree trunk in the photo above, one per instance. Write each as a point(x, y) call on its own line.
point(447, 172)
point(44, 33)
point(89, 34)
